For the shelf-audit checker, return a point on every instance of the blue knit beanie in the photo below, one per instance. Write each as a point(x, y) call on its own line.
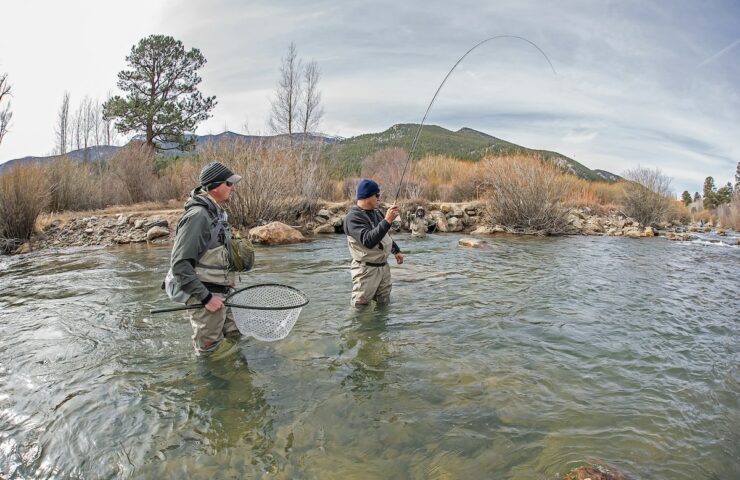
point(366, 189)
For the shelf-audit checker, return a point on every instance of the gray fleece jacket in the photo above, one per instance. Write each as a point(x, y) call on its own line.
point(191, 239)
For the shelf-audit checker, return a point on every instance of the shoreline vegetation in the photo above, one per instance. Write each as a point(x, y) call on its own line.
point(154, 223)
point(47, 205)
point(137, 196)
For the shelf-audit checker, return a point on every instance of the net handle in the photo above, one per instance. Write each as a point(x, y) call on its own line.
point(235, 305)
point(232, 305)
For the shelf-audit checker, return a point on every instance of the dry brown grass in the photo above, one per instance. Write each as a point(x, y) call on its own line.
point(446, 179)
point(729, 214)
point(678, 212)
point(706, 216)
point(598, 196)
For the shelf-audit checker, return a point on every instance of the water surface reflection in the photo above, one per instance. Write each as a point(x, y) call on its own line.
point(519, 361)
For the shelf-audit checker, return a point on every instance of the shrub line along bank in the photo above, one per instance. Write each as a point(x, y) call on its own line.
point(124, 228)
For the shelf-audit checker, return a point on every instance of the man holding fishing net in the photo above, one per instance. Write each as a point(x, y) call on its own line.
point(205, 258)
point(369, 244)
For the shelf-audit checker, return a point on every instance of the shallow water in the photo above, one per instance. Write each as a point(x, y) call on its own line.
point(519, 361)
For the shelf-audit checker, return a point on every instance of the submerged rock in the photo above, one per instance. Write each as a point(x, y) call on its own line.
point(593, 473)
point(472, 243)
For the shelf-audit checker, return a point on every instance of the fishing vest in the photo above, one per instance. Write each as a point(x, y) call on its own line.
point(377, 255)
point(214, 265)
point(218, 264)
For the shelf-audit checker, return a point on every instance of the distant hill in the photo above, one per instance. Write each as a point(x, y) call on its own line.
point(203, 140)
point(91, 154)
point(104, 152)
point(465, 144)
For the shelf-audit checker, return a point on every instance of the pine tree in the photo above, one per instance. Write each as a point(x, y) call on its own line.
point(162, 98)
point(710, 200)
point(686, 197)
point(724, 194)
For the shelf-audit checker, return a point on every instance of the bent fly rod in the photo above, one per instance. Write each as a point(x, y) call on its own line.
point(421, 125)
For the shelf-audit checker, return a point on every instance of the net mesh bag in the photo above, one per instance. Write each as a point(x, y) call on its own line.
point(267, 312)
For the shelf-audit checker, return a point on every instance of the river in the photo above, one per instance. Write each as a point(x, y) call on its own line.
point(518, 361)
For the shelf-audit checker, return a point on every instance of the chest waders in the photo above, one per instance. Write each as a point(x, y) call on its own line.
point(371, 274)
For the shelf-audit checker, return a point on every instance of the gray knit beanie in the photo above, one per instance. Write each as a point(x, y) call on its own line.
point(216, 173)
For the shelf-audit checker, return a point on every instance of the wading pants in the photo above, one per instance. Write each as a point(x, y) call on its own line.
point(210, 328)
point(370, 283)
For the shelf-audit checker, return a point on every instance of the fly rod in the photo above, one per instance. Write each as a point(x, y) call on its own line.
point(421, 125)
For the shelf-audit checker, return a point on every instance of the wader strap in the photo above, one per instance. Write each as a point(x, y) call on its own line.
point(371, 264)
point(215, 288)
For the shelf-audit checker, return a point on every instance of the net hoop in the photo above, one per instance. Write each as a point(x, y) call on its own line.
point(303, 298)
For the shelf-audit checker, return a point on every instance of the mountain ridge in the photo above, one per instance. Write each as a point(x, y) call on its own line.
point(465, 144)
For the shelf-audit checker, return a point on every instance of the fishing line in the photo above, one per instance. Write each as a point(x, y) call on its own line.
point(421, 125)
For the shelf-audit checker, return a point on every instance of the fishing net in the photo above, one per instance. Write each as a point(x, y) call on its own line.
point(266, 312)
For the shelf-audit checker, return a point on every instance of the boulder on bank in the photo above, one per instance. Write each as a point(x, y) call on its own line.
point(487, 230)
point(275, 233)
point(455, 224)
point(325, 228)
point(157, 232)
point(24, 248)
point(440, 220)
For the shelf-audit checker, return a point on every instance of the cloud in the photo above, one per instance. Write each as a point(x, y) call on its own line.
point(637, 82)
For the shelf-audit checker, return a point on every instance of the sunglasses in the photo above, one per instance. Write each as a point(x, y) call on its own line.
point(218, 184)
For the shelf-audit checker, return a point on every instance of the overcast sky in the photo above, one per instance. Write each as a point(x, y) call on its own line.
point(654, 83)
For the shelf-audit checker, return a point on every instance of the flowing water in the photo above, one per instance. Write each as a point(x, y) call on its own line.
point(518, 361)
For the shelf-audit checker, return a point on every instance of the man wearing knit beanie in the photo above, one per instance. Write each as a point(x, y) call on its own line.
point(215, 174)
point(369, 245)
point(201, 259)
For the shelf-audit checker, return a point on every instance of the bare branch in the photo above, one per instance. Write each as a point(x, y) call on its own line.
point(311, 110)
point(5, 113)
point(284, 116)
point(62, 128)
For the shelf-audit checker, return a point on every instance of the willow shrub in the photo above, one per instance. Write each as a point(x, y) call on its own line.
point(647, 197)
point(729, 213)
point(78, 186)
point(525, 194)
point(279, 181)
point(23, 196)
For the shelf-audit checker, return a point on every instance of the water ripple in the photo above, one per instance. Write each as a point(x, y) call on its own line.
point(519, 361)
